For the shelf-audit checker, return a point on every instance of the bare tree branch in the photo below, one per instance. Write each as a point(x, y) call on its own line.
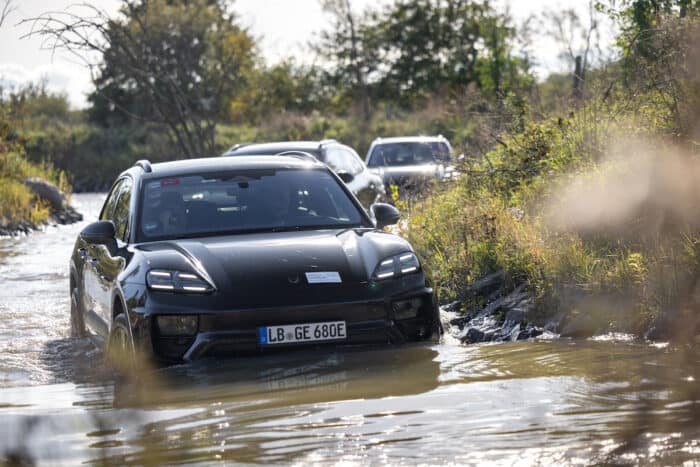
point(7, 8)
point(346, 23)
point(575, 39)
point(152, 54)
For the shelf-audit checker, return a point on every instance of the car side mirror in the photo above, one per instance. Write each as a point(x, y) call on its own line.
point(385, 214)
point(346, 177)
point(100, 233)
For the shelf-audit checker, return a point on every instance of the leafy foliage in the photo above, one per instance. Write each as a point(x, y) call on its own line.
point(500, 214)
point(415, 49)
point(176, 63)
point(173, 63)
point(17, 202)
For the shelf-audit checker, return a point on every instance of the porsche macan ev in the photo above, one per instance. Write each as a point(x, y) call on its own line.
point(240, 255)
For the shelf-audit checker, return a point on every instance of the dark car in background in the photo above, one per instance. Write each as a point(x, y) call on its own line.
point(236, 255)
point(342, 159)
point(411, 162)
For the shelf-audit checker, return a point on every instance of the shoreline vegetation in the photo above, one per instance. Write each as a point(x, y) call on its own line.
point(576, 210)
point(32, 196)
point(583, 224)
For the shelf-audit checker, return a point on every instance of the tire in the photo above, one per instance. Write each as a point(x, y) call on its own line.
point(77, 323)
point(120, 347)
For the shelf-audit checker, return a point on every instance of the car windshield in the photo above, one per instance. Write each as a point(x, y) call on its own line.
point(408, 153)
point(244, 201)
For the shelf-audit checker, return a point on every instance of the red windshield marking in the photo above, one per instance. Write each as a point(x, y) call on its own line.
point(170, 181)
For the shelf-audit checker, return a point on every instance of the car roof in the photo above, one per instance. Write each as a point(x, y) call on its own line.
point(216, 164)
point(279, 146)
point(412, 139)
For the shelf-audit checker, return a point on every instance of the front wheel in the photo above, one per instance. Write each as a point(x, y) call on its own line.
point(77, 325)
point(120, 348)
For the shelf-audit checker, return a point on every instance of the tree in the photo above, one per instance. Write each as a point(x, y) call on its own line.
point(413, 49)
point(176, 63)
point(658, 40)
point(575, 40)
point(639, 20)
point(348, 46)
point(5, 9)
point(436, 46)
point(498, 70)
point(277, 89)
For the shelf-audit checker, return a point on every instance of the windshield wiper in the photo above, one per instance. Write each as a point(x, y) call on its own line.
point(360, 229)
point(295, 228)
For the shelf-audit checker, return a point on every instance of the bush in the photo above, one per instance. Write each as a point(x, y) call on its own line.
point(19, 204)
point(519, 209)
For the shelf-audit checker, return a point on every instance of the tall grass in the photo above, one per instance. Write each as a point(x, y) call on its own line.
point(505, 214)
point(18, 204)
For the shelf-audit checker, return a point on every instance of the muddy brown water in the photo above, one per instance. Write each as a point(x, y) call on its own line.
point(604, 400)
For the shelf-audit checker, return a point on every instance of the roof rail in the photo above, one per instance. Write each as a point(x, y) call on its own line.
point(297, 154)
point(327, 141)
point(238, 146)
point(144, 164)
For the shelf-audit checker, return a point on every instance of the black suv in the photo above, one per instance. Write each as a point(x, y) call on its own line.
point(232, 255)
point(342, 159)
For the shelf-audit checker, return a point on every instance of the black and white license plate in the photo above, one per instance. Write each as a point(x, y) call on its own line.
point(307, 332)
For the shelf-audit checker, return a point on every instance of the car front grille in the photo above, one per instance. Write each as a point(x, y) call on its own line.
point(252, 319)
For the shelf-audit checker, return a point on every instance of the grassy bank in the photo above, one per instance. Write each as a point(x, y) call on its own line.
point(19, 206)
point(596, 211)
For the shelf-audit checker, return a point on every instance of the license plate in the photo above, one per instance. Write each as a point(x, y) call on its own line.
point(308, 332)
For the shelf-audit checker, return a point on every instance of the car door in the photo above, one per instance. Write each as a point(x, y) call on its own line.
point(103, 263)
point(90, 281)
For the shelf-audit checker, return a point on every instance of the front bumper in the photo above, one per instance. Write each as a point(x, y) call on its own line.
point(235, 332)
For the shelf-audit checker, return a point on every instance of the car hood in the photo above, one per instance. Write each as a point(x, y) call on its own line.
point(397, 174)
point(272, 269)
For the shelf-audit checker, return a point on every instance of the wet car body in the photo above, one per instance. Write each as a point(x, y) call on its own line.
point(368, 187)
point(175, 297)
point(411, 162)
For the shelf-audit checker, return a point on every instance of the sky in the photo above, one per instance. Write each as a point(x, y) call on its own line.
point(284, 28)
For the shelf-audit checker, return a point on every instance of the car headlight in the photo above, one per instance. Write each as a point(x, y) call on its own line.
point(177, 281)
point(399, 265)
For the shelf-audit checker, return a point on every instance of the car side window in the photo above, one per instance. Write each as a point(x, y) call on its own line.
point(376, 157)
point(342, 159)
point(356, 165)
point(121, 210)
point(108, 208)
point(338, 159)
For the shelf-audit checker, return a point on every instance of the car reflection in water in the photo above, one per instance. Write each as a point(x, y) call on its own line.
point(280, 380)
